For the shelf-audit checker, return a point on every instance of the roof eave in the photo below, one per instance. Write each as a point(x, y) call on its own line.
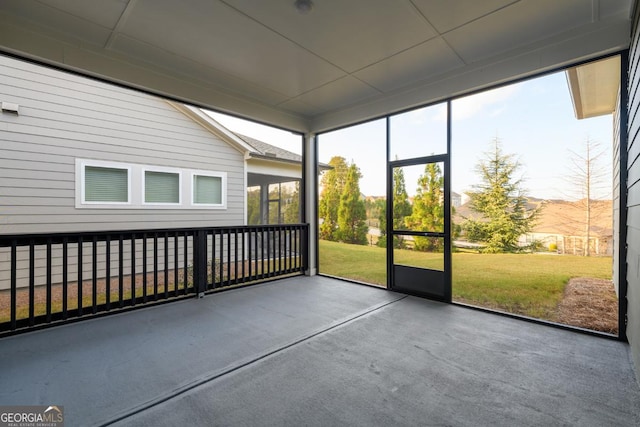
point(594, 87)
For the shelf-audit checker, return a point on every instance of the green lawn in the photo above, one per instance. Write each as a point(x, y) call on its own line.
point(526, 284)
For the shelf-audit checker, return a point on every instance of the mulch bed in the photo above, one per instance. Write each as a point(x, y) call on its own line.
point(590, 303)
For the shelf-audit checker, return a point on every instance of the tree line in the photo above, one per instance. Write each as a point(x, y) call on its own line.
point(341, 206)
point(499, 200)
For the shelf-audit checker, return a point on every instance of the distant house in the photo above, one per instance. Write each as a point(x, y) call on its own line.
point(562, 225)
point(456, 199)
point(82, 155)
point(273, 173)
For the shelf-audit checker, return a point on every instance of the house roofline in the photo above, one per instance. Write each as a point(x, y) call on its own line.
point(233, 139)
point(207, 122)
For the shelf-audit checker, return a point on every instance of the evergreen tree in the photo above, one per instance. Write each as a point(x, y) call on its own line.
point(332, 185)
point(428, 208)
point(352, 215)
point(274, 204)
point(502, 203)
point(253, 206)
point(382, 222)
point(401, 209)
point(291, 204)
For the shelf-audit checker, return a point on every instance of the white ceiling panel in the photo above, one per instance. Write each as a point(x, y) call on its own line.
point(341, 92)
point(350, 34)
point(344, 61)
point(105, 13)
point(299, 107)
point(235, 44)
point(447, 15)
point(517, 25)
point(419, 63)
point(194, 70)
point(608, 9)
point(75, 25)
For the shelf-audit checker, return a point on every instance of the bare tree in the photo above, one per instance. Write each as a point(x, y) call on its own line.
point(589, 180)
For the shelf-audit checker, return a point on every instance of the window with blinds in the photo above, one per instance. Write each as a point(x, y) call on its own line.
point(102, 184)
point(106, 185)
point(207, 190)
point(161, 187)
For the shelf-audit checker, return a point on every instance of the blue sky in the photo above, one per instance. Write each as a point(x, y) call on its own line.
point(534, 121)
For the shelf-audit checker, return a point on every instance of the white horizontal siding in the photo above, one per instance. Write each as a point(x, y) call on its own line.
point(65, 117)
point(83, 138)
point(45, 80)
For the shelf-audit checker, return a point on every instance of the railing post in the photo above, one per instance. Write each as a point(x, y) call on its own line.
point(305, 247)
point(266, 252)
point(200, 262)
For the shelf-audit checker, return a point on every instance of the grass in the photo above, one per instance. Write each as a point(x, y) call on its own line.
point(356, 262)
point(526, 284)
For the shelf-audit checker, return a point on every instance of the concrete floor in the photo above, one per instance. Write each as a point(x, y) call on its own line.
point(318, 352)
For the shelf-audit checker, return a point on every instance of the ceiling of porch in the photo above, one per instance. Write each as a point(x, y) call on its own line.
point(341, 62)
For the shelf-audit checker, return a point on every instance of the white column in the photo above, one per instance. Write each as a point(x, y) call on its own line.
point(310, 202)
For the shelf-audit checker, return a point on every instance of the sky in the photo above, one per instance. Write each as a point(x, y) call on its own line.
point(533, 120)
point(284, 139)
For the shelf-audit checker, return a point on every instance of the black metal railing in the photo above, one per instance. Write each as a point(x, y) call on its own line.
point(51, 278)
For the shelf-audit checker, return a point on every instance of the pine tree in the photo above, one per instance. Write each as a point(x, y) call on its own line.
point(401, 209)
point(381, 205)
point(428, 208)
point(352, 215)
point(502, 203)
point(332, 185)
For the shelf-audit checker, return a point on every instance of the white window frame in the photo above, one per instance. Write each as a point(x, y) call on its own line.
point(136, 187)
point(143, 187)
point(223, 189)
point(81, 166)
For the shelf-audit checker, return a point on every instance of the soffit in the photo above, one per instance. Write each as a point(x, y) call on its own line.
point(594, 87)
point(344, 61)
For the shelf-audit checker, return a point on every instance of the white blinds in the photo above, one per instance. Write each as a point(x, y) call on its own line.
point(161, 187)
point(207, 190)
point(106, 184)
